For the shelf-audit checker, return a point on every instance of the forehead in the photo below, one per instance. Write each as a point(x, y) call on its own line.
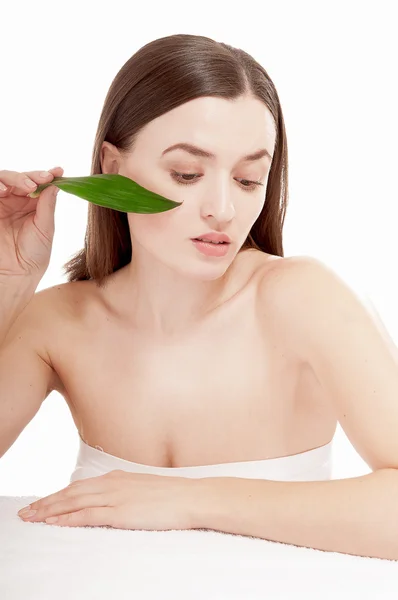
point(229, 127)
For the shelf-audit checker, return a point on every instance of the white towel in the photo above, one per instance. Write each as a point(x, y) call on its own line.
point(46, 562)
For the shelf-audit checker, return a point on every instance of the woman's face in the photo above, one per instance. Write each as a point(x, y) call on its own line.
point(217, 194)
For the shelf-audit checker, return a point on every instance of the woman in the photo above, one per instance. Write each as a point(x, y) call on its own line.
point(161, 329)
point(176, 356)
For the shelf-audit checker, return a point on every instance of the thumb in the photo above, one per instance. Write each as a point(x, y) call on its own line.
point(45, 211)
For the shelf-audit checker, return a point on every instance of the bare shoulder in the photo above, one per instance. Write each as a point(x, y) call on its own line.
point(39, 315)
point(288, 290)
point(51, 318)
point(284, 282)
point(52, 302)
point(300, 292)
point(68, 300)
point(51, 311)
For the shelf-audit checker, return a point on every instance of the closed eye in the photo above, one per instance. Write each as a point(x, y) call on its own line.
point(179, 178)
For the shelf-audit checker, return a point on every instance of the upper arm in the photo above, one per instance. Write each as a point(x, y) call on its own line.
point(26, 376)
point(351, 354)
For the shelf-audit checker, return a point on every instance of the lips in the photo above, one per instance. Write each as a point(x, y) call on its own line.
point(209, 241)
point(211, 249)
point(214, 237)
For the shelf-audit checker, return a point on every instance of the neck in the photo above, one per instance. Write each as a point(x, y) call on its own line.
point(160, 300)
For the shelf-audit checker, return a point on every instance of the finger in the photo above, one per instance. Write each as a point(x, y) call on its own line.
point(26, 182)
point(44, 218)
point(72, 504)
point(67, 493)
point(56, 497)
point(48, 500)
point(35, 178)
point(87, 517)
point(90, 486)
point(68, 499)
point(66, 505)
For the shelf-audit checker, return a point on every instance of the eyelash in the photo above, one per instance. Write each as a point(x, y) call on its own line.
point(176, 177)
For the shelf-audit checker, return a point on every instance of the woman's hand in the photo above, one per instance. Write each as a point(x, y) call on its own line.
point(26, 224)
point(122, 500)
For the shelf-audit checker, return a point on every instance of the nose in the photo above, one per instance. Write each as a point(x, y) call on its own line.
point(219, 206)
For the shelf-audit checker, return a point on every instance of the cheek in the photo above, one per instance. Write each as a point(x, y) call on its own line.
point(149, 229)
point(143, 226)
point(257, 209)
point(249, 212)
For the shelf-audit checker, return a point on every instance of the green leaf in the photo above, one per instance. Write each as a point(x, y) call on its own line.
point(112, 191)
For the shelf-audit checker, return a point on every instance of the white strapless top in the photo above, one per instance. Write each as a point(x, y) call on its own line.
point(312, 465)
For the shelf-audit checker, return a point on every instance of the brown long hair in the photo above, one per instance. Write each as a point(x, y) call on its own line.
point(160, 76)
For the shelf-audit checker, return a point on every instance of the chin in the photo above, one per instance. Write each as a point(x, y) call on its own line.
point(207, 272)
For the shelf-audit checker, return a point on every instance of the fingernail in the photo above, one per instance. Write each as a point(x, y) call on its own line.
point(28, 514)
point(24, 510)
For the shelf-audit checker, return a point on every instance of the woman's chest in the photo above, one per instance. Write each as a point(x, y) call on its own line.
point(232, 390)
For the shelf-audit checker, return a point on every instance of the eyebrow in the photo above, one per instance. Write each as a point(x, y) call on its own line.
point(196, 151)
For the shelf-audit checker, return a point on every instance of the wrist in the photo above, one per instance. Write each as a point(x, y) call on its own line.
point(14, 297)
point(209, 496)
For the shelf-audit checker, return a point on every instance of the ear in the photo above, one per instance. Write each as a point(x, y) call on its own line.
point(110, 158)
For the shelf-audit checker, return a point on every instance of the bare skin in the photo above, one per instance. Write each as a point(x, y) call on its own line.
point(218, 394)
point(178, 360)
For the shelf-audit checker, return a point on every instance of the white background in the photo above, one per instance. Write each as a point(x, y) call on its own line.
point(334, 66)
